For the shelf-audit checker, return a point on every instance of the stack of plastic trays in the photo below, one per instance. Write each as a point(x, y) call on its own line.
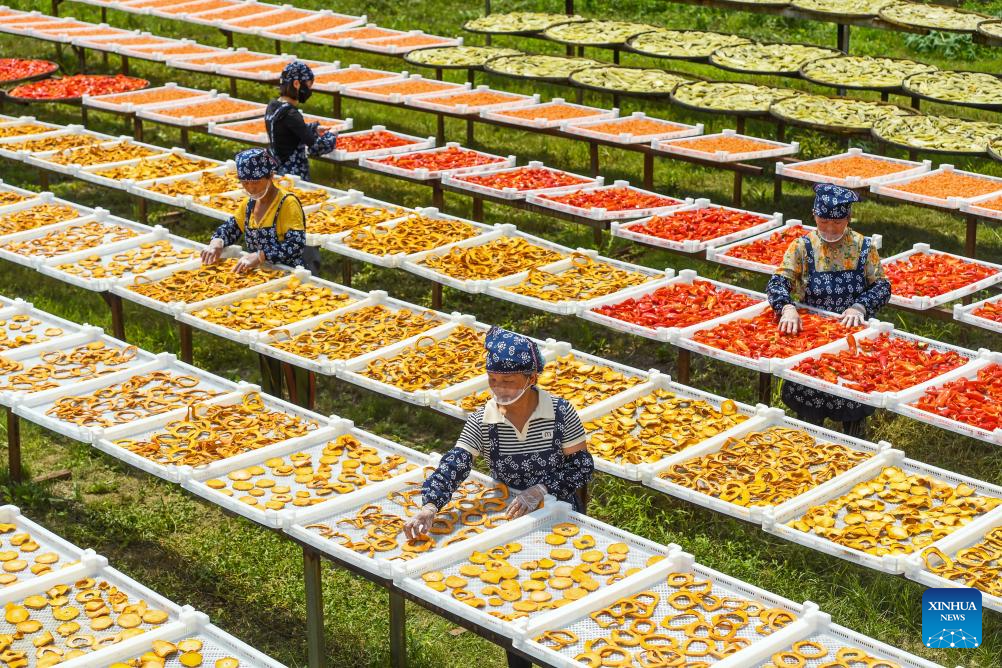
point(265, 341)
point(200, 480)
point(498, 288)
point(664, 334)
point(31, 357)
point(766, 419)
point(630, 471)
point(106, 439)
point(246, 336)
point(33, 407)
point(776, 520)
point(879, 399)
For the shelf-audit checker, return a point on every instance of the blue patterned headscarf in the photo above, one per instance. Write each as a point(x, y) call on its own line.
point(833, 202)
point(297, 70)
point(508, 352)
point(254, 164)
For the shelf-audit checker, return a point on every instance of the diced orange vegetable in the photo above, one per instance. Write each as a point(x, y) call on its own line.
point(856, 165)
point(552, 111)
point(412, 87)
point(949, 184)
point(351, 76)
point(725, 144)
point(208, 109)
point(990, 311)
point(643, 126)
point(474, 99)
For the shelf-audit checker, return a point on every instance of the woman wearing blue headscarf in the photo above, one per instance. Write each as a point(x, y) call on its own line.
point(291, 138)
point(838, 270)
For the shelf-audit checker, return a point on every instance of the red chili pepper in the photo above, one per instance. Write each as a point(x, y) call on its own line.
point(760, 336)
point(13, 69)
point(932, 274)
point(881, 364)
point(698, 224)
point(974, 401)
point(990, 311)
point(769, 251)
point(526, 178)
point(371, 141)
point(678, 305)
point(78, 85)
point(613, 199)
point(452, 157)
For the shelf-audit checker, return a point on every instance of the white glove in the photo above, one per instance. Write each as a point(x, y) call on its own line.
point(418, 525)
point(210, 255)
point(789, 322)
point(526, 501)
point(249, 262)
point(853, 317)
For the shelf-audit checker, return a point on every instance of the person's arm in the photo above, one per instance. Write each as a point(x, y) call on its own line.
point(308, 135)
point(578, 466)
point(782, 284)
point(229, 232)
point(324, 143)
point(454, 467)
point(878, 290)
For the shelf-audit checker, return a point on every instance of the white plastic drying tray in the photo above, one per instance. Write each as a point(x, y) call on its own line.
point(775, 519)
point(443, 400)
point(340, 246)
point(922, 303)
point(426, 101)
point(215, 17)
point(585, 129)
point(576, 617)
point(419, 144)
point(629, 471)
point(497, 288)
point(785, 369)
point(351, 370)
point(106, 43)
point(47, 542)
point(105, 439)
point(347, 506)
point(245, 337)
point(778, 149)
point(761, 364)
point(975, 206)
point(188, 60)
point(962, 313)
point(664, 334)
point(285, 36)
point(151, 113)
point(903, 402)
point(545, 122)
point(263, 343)
point(39, 199)
point(31, 357)
point(766, 419)
point(530, 535)
point(216, 645)
point(142, 188)
point(887, 188)
point(460, 181)
point(355, 89)
point(625, 231)
point(67, 35)
point(33, 407)
point(377, 43)
point(194, 479)
point(337, 88)
point(91, 173)
point(353, 197)
point(249, 71)
point(475, 286)
point(21, 307)
point(10, 121)
point(144, 233)
point(157, 52)
point(909, 168)
point(235, 24)
point(229, 129)
point(597, 213)
point(173, 308)
point(424, 174)
point(108, 101)
point(960, 539)
point(336, 37)
point(44, 161)
point(10, 146)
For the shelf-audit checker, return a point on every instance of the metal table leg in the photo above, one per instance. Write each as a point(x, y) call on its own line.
point(315, 646)
point(971, 240)
point(765, 387)
point(593, 158)
point(114, 303)
point(649, 171)
point(184, 330)
point(336, 105)
point(43, 178)
point(437, 195)
point(142, 212)
point(398, 631)
point(683, 365)
point(738, 181)
point(436, 296)
point(478, 209)
point(14, 446)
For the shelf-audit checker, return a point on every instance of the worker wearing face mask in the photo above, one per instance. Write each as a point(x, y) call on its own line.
point(273, 228)
point(291, 138)
point(838, 270)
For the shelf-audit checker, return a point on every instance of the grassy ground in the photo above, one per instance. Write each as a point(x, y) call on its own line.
point(249, 580)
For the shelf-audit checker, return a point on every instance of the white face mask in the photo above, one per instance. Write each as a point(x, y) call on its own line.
point(258, 196)
point(832, 240)
point(509, 400)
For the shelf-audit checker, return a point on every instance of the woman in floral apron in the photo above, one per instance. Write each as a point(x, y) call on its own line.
point(291, 138)
point(838, 270)
point(273, 228)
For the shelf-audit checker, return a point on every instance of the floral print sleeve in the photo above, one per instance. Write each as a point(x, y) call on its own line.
point(575, 473)
point(452, 470)
point(229, 232)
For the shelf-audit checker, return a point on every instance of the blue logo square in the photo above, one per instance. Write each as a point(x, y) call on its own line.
point(951, 618)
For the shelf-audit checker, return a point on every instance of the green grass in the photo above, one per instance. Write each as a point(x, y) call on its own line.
point(249, 579)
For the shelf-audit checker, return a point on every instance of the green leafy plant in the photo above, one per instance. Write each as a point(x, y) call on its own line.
point(955, 46)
